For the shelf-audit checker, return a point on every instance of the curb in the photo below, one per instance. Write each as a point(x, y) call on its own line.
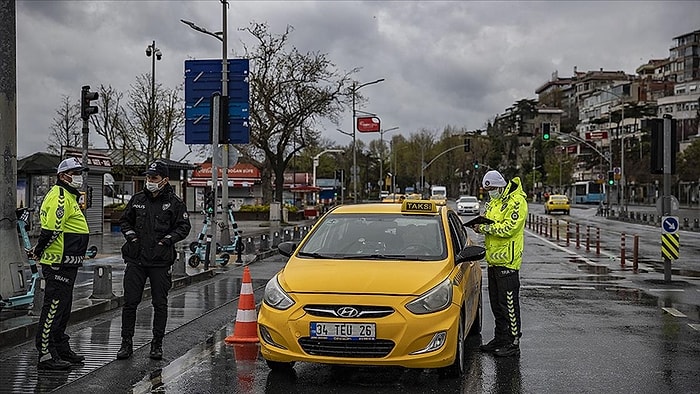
point(25, 332)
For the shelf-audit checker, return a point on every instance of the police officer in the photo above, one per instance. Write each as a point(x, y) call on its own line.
point(60, 251)
point(154, 220)
point(504, 240)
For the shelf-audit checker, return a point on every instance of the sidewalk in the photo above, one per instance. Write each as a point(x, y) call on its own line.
point(19, 326)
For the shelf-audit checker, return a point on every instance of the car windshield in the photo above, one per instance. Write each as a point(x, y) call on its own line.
point(468, 199)
point(377, 236)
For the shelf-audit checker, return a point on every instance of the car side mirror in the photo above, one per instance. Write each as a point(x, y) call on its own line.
point(287, 248)
point(470, 253)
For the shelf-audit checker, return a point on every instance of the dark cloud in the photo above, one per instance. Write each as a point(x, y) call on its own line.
point(444, 62)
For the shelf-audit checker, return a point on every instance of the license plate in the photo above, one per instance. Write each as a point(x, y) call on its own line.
point(346, 331)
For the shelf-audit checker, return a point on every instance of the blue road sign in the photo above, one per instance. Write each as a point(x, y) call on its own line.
point(669, 224)
point(202, 79)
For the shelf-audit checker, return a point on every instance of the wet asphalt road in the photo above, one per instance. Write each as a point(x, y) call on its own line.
point(586, 328)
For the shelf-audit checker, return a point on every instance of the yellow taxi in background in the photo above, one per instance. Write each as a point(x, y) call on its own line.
point(557, 203)
point(376, 285)
point(394, 198)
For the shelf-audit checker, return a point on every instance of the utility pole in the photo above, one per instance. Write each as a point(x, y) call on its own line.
point(11, 259)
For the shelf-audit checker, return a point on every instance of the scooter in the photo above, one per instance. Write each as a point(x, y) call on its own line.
point(237, 246)
point(199, 247)
point(23, 215)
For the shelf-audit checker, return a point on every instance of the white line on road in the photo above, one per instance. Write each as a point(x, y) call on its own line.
point(695, 327)
point(535, 287)
point(577, 287)
point(674, 312)
point(676, 290)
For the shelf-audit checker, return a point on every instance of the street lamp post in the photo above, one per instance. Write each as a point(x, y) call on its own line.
point(154, 53)
point(221, 36)
point(355, 87)
point(381, 154)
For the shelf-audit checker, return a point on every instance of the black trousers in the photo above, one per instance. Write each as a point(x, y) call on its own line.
point(134, 281)
point(51, 339)
point(504, 295)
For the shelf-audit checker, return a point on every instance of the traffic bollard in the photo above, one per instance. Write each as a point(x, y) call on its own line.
point(179, 265)
point(287, 235)
point(597, 240)
point(557, 230)
point(550, 228)
point(102, 282)
point(240, 247)
point(622, 250)
point(568, 235)
point(249, 245)
point(588, 238)
point(635, 254)
point(296, 235)
point(275, 239)
point(264, 244)
point(578, 237)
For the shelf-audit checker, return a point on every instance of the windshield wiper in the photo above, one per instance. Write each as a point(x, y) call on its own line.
point(316, 255)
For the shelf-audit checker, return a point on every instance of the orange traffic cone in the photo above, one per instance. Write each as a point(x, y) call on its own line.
point(246, 326)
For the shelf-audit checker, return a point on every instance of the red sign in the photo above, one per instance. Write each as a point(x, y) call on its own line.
point(597, 135)
point(572, 149)
point(368, 124)
point(240, 170)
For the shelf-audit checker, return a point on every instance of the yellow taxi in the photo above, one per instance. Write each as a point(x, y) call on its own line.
point(394, 198)
point(376, 285)
point(557, 203)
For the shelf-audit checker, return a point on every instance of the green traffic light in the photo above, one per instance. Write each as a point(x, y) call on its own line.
point(545, 137)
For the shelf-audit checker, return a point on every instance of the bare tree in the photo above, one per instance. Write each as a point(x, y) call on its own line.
point(107, 120)
point(290, 93)
point(65, 126)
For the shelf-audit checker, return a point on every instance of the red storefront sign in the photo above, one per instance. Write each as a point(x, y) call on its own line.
point(596, 135)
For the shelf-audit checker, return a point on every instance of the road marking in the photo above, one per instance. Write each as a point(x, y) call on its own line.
point(535, 287)
point(674, 312)
point(577, 287)
point(695, 327)
point(676, 290)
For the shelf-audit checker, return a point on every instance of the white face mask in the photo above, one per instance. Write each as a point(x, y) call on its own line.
point(494, 194)
point(76, 181)
point(153, 186)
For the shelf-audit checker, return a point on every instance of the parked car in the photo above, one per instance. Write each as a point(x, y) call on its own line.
point(468, 205)
point(376, 285)
point(557, 203)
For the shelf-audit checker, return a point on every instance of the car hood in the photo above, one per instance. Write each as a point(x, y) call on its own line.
point(362, 276)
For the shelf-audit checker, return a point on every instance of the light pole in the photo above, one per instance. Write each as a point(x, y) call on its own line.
point(381, 154)
point(355, 87)
point(221, 36)
point(154, 53)
point(622, 143)
point(316, 160)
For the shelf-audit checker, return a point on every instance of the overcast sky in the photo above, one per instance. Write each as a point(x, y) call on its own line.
point(445, 62)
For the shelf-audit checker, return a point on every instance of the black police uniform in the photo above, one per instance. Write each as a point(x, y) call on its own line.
point(152, 225)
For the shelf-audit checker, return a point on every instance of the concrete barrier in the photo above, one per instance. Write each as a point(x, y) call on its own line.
point(179, 265)
point(276, 239)
point(264, 243)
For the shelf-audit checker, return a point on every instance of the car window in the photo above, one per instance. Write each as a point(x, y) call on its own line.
point(377, 236)
point(459, 233)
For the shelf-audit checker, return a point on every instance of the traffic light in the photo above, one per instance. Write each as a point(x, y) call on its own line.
point(467, 144)
point(545, 131)
point(476, 164)
point(86, 107)
point(611, 178)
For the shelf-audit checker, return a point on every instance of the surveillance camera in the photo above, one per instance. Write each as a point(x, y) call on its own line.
point(148, 50)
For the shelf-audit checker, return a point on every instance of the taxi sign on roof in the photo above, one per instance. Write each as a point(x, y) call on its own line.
point(419, 206)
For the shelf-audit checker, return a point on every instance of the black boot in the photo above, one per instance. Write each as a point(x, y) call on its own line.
point(126, 350)
point(490, 347)
point(511, 348)
point(71, 357)
point(156, 349)
point(54, 364)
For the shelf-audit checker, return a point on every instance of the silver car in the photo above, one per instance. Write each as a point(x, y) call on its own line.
point(468, 205)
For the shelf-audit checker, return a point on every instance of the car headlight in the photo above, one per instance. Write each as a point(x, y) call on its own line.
point(434, 300)
point(275, 296)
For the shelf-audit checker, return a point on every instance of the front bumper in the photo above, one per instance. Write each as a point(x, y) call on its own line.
point(400, 336)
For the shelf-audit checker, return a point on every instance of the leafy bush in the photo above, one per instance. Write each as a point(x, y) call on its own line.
point(255, 208)
point(117, 206)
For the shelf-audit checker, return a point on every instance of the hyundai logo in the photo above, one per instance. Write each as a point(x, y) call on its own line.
point(347, 311)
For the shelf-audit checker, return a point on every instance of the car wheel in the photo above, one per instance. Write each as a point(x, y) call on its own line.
point(478, 319)
point(457, 367)
point(224, 258)
point(279, 366)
